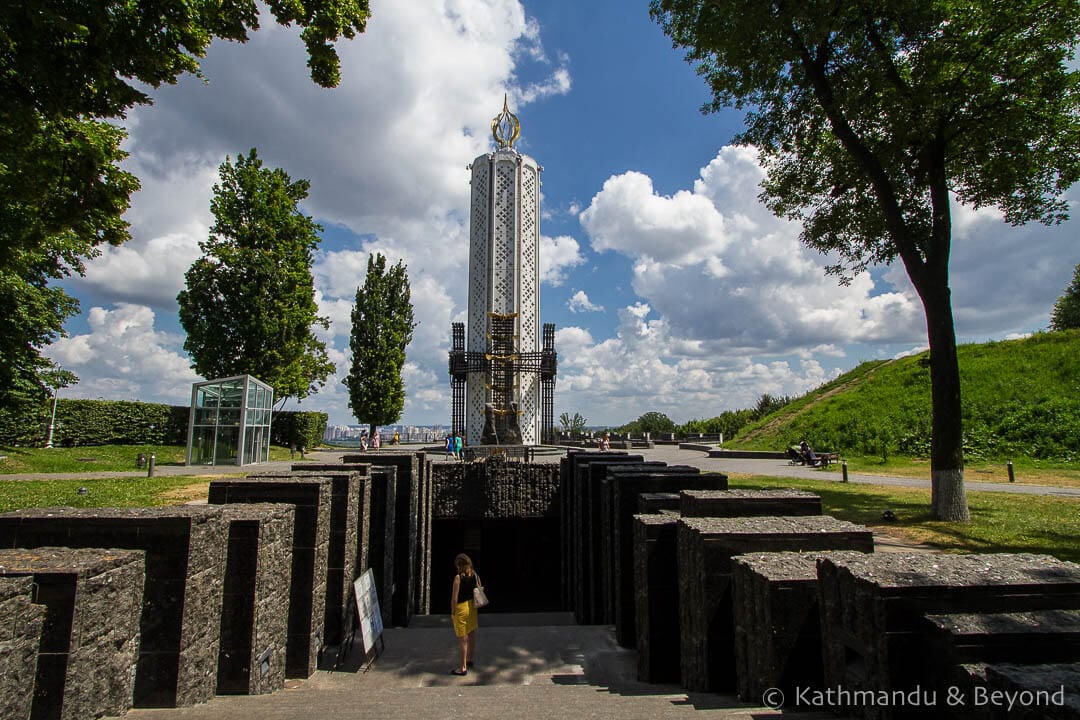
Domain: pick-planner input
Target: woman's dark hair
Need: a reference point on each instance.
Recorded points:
(463, 563)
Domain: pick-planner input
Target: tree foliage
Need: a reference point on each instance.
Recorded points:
(1066, 312)
(768, 404)
(572, 424)
(651, 422)
(727, 423)
(66, 69)
(870, 118)
(382, 328)
(249, 306)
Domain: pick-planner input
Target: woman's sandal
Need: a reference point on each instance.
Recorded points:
(459, 672)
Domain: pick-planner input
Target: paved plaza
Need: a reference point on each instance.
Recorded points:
(527, 666)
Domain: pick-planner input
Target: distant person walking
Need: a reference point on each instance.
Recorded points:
(450, 447)
(463, 611)
(375, 440)
(363, 441)
(459, 447)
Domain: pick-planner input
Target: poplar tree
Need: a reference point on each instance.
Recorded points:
(382, 328)
(249, 306)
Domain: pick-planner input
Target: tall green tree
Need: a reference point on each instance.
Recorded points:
(67, 69)
(249, 306)
(1066, 312)
(872, 117)
(382, 328)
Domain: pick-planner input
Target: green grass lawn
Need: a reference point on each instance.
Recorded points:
(1019, 400)
(1000, 522)
(97, 458)
(109, 492)
(1025, 470)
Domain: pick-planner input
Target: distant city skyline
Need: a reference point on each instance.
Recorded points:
(672, 288)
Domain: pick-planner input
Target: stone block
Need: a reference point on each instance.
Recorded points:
(255, 604)
(92, 601)
(623, 488)
(185, 550)
(310, 551)
(383, 536)
(656, 598)
(1050, 691)
(776, 623)
(494, 488)
(424, 543)
(705, 549)
(571, 532)
(600, 542)
(652, 503)
(363, 524)
(342, 551)
(20, 635)
(873, 610)
(1034, 636)
(409, 467)
(747, 503)
(584, 477)
(362, 468)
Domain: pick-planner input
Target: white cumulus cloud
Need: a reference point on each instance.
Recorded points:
(579, 302)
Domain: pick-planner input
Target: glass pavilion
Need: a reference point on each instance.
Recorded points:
(229, 422)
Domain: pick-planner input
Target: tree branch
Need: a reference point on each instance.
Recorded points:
(879, 179)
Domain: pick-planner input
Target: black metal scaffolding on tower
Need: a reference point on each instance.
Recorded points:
(458, 374)
(502, 366)
(548, 363)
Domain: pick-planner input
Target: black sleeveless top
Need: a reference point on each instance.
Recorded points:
(465, 588)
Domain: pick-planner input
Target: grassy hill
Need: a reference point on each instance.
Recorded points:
(1021, 398)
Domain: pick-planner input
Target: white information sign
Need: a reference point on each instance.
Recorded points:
(367, 609)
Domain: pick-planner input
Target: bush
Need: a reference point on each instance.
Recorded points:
(97, 422)
(120, 422)
(650, 422)
(291, 428)
(727, 423)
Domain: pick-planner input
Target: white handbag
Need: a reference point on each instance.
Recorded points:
(480, 598)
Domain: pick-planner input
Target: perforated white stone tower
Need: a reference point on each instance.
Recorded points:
(503, 378)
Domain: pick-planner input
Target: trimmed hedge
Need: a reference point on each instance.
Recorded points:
(291, 428)
(120, 422)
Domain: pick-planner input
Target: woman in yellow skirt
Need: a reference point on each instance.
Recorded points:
(463, 611)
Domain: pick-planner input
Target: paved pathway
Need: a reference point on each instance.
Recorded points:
(781, 468)
(322, 456)
(523, 670)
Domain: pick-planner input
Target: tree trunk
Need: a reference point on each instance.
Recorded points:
(948, 500)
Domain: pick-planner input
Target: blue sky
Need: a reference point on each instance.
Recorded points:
(672, 289)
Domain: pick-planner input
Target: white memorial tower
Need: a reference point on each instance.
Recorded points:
(503, 375)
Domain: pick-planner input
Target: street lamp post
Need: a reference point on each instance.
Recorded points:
(52, 419)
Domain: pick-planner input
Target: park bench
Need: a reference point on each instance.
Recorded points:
(820, 459)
